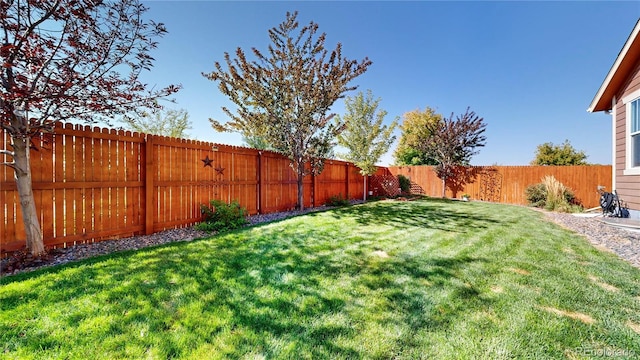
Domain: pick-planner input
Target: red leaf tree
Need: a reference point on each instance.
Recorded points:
(452, 142)
(63, 60)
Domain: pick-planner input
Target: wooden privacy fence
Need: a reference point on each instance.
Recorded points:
(507, 184)
(93, 184)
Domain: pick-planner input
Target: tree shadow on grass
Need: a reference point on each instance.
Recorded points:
(297, 272)
(279, 291)
(438, 214)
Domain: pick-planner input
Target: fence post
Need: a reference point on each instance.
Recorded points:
(149, 173)
(314, 187)
(347, 181)
(260, 184)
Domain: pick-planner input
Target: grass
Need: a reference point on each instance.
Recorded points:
(405, 280)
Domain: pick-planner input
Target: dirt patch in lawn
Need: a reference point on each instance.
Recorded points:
(519, 271)
(381, 254)
(603, 285)
(635, 327)
(570, 314)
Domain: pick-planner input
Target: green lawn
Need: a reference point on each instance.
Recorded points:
(406, 280)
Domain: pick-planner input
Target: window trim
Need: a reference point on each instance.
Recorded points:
(627, 100)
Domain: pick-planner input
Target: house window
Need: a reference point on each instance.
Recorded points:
(634, 133)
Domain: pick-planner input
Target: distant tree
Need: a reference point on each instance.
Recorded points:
(563, 154)
(173, 123)
(286, 95)
(452, 142)
(364, 135)
(68, 59)
(415, 126)
(256, 142)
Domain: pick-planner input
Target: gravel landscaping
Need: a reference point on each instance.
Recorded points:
(625, 243)
(622, 242)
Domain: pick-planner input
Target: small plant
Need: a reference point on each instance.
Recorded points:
(536, 195)
(220, 216)
(552, 195)
(337, 200)
(405, 184)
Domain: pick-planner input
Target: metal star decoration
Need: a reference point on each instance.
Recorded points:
(207, 161)
(219, 170)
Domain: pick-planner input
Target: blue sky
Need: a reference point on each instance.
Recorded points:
(530, 69)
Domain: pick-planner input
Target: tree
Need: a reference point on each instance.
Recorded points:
(364, 135)
(170, 122)
(564, 154)
(286, 95)
(415, 126)
(68, 59)
(256, 142)
(452, 142)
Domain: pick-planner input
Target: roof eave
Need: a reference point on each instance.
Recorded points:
(609, 87)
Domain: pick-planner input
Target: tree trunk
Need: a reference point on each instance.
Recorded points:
(300, 187)
(35, 243)
(364, 186)
(444, 187)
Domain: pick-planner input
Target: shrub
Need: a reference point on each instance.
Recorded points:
(536, 195)
(405, 184)
(220, 216)
(337, 200)
(552, 195)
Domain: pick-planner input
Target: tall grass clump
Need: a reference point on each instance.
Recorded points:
(552, 195)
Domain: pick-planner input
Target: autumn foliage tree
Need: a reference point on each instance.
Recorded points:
(415, 126)
(452, 142)
(285, 94)
(68, 59)
(364, 135)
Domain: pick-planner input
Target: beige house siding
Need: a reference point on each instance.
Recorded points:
(628, 186)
